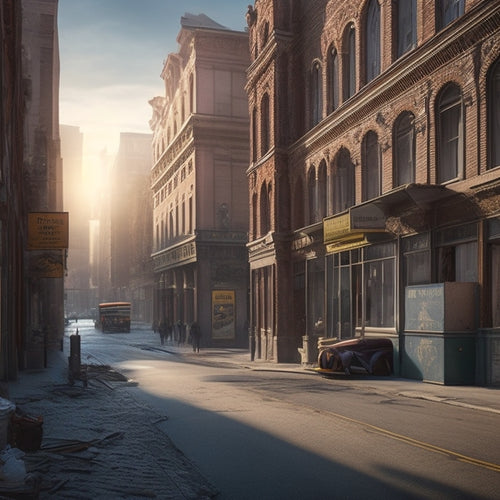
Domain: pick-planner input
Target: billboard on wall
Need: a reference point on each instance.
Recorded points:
(223, 317)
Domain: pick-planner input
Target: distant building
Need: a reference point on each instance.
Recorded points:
(200, 153)
(130, 226)
(374, 180)
(78, 299)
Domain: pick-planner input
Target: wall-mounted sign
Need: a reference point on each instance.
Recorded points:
(358, 220)
(48, 230)
(223, 318)
(46, 265)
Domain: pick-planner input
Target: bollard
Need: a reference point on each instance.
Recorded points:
(74, 358)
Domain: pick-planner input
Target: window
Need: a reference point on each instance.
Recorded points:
(494, 115)
(450, 134)
(254, 216)
(312, 195)
(316, 296)
(457, 254)
(264, 210)
(371, 167)
(372, 37)
(416, 259)
(343, 181)
(264, 125)
(254, 135)
(316, 94)
(322, 190)
(404, 149)
(349, 63)
(406, 31)
(447, 11)
(333, 79)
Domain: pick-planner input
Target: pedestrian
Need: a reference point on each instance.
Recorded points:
(163, 331)
(196, 336)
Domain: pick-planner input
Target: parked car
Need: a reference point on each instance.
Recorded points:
(366, 355)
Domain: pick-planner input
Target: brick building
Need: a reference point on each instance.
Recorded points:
(200, 155)
(375, 181)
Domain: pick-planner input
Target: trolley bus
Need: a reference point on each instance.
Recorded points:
(114, 317)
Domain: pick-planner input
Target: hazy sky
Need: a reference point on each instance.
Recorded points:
(112, 54)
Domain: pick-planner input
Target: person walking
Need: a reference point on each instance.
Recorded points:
(196, 336)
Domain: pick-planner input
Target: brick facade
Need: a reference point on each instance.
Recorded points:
(298, 48)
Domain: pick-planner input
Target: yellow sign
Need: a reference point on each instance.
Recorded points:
(48, 230)
(223, 317)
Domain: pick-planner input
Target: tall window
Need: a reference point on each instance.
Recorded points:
(450, 134)
(494, 115)
(322, 190)
(254, 135)
(264, 125)
(316, 94)
(255, 229)
(349, 63)
(406, 30)
(447, 11)
(264, 210)
(371, 167)
(333, 79)
(343, 181)
(372, 37)
(404, 149)
(311, 185)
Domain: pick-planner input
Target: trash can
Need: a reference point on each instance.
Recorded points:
(6, 409)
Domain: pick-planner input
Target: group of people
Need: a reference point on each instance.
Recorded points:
(178, 333)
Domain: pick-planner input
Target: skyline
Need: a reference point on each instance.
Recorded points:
(111, 56)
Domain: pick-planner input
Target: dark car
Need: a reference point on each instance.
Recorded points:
(367, 355)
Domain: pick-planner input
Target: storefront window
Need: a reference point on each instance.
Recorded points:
(316, 297)
(457, 254)
(417, 259)
(361, 290)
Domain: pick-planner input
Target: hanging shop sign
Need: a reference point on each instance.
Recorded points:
(48, 230)
(223, 317)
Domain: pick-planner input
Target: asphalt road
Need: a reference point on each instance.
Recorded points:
(269, 435)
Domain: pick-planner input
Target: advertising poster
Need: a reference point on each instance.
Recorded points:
(223, 320)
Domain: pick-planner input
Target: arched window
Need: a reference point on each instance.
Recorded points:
(372, 37)
(447, 11)
(371, 167)
(254, 135)
(333, 79)
(264, 210)
(494, 115)
(316, 93)
(264, 125)
(298, 205)
(343, 181)
(322, 190)
(311, 187)
(450, 155)
(406, 30)
(404, 150)
(349, 63)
